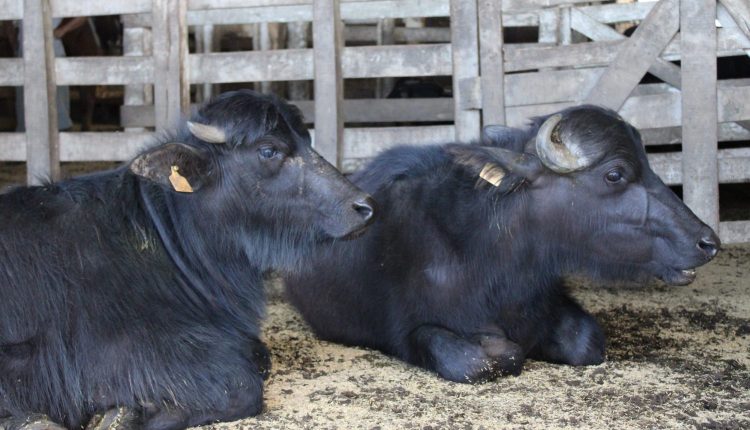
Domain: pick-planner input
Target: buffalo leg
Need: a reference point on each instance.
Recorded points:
(458, 359)
(574, 337)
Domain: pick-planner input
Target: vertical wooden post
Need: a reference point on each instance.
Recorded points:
(298, 38)
(133, 44)
(385, 36)
(171, 84)
(264, 37)
(208, 45)
(329, 84)
(465, 52)
(40, 93)
(700, 176)
(491, 61)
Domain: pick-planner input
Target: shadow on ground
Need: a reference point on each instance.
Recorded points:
(677, 357)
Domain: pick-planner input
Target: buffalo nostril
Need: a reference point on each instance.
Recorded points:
(709, 246)
(365, 208)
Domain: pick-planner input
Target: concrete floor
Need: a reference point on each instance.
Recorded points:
(678, 357)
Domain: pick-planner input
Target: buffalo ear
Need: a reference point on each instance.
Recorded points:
(173, 165)
(498, 135)
(493, 164)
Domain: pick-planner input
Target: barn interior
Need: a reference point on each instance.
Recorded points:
(677, 356)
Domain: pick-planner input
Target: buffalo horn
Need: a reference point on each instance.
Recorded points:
(207, 133)
(558, 155)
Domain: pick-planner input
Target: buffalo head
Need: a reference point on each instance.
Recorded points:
(246, 162)
(591, 196)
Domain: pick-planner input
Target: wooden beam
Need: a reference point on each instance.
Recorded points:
(12, 147)
(740, 11)
(12, 75)
(465, 54)
(364, 142)
(11, 10)
(71, 8)
(637, 55)
(104, 70)
(170, 62)
(101, 146)
(40, 93)
(734, 166)
(491, 61)
(597, 31)
(329, 84)
(397, 60)
(699, 109)
(734, 232)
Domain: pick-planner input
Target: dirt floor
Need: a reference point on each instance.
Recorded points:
(678, 357)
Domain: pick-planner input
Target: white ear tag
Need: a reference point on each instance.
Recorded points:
(179, 183)
(493, 174)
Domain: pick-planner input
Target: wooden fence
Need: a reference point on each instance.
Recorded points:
(579, 57)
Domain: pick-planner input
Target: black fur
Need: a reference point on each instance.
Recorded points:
(119, 291)
(465, 278)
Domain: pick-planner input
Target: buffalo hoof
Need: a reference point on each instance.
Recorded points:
(31, 422)
(116, 419)
(507, 356)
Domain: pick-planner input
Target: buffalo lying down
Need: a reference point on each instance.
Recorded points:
(465, 278)
(141, 287)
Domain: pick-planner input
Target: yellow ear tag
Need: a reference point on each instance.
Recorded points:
(492, 174)
(179, 183)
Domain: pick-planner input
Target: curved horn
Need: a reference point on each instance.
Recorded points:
(206, 133)
(558, 155)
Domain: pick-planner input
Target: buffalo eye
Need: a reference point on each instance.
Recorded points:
(613, 176)
(267, 152)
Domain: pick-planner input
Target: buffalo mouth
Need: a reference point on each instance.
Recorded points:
(678, 277)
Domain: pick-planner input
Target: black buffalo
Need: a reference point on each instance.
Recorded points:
(466, 278)
(141, 287)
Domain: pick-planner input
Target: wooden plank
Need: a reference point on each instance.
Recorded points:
(100, 146)
(355, 111)
(700, 110)
(734, 232)
(618, 12)
(250, 15)
(549, 26)
(12, 75)
(252, 66)
(728, 132)
(134, 44)
(71, 8)
(160, 43)
(637, 55)
(733, 166)
(12, 147)
(11, 10)
(367, 142)
(465, 55)
(329, 83)
(396, 60)
(491, 61)
(597, 31)
(740, 11)
(40, 91)
(104, 70)
(178, 87)
(549, 86)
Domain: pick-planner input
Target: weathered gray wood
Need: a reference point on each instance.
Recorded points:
(100, 146)
(491, 61)
(549, 25)
(549, 86)
(329, 91)
(40, 92)
(12, 72)
(170, 62)
(252, 66)
(366, 33)
(12, 147)
(385, 36)
(11, 10)
(637, 55)
(354, 111)
(69, 8)
(367, 142)
(298, 39)
(734, 232)
(104, 70)
(597, 31)
(396, 60)
(465, 54)
(700, 110)
(618, 12)
(733, 166)
(740, 11)
(728, 132)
